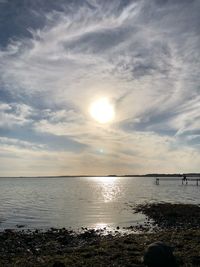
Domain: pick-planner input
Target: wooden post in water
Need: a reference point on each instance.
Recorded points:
(157, 181)
(184, 180)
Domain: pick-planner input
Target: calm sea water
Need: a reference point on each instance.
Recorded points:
(84, 201)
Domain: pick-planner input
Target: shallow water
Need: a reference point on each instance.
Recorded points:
(84, 201)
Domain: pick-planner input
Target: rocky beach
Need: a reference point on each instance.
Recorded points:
(175, 224)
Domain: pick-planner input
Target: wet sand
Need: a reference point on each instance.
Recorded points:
(172, 224)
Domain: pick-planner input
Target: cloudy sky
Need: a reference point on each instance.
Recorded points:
(59, 57)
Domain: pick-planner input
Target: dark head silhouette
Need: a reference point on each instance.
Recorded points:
(158, 254)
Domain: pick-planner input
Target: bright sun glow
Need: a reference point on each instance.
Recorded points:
(102, 110)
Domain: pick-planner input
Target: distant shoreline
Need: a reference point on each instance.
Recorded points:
(109, 175)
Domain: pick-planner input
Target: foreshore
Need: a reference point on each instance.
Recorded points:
(172, 224)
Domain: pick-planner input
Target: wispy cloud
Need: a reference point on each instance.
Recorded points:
(143, 55)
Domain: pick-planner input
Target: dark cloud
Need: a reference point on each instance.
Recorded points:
(173, 2)
(19, 16)
(157, 123)
(5, 96)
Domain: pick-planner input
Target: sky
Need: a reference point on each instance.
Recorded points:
(59, 57)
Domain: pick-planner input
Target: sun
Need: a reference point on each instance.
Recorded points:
(102, 110)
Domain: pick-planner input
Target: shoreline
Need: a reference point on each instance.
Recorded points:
(92, 247)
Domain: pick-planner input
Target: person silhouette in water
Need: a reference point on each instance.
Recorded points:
(184, 179)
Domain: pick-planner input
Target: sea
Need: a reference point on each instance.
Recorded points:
(92, 202)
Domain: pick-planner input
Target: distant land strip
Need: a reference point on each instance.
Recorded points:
(110, 175)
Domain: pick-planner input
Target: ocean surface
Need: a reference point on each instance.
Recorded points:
(84, 201)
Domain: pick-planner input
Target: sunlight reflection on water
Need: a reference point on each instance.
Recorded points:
(109, 187)
(100, 225)
(83, 201)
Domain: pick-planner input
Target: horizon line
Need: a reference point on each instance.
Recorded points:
(108, 175)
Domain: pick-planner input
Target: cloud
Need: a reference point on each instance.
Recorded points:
(14, 114)
(142, 55)
(12, 142)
